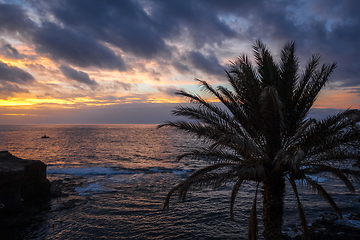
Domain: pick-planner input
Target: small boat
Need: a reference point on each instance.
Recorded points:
(44, 136)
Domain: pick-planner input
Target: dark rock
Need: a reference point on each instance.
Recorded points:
(334, 232)
(328, 218)
(23, 183)
(354, 217)
(69, 203)
(329, 227)
(65, 187)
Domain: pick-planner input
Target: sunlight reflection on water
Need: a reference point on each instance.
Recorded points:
(124, 173)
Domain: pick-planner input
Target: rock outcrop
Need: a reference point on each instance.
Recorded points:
(23, 183)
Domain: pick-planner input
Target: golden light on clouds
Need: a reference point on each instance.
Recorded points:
(162, 100)
(19, 114)
(13, 102)
(18, 102)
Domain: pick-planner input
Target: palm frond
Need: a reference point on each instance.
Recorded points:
(335, 171)
(289, 160)
(312, 89)
(240, 115)
(222, 120)
(210, 114)
(321, 191)
(291, 139)
(267, 68)
(305, 235)
(215, 156)
(288, 71)
(271, 116)
(330, 132)
(235, 107)
(195, 127)
(234, 192)
(252, 171)
(253, 223)
(215, 179)
(353, 173)
(337, 155)
(219, 136)
(297, 103)
(222, 115)
(244, 80)
(184, 186)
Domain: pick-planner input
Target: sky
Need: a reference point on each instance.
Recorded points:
(99, 61)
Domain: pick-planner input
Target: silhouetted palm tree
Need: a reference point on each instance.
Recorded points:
(262, 134)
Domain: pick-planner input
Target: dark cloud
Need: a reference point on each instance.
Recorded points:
(123, 24)
(7, 89)
(14, 74)
(169, 90)
(14, 19)
(347, 82)
(36, 66)
(155, 74)
(196, 18)
(207, 64)
(75, 48)
(76, 75)
(11, 52)
(180, 67)
(82, 32)
(60, 43)
(355, 90)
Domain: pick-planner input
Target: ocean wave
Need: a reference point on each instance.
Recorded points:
(347, 221)
(319, 179)
(92, 188)
(98, 170)
(83, 171)
(169, 170)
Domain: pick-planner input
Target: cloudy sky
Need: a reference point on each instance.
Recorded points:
(65, 61)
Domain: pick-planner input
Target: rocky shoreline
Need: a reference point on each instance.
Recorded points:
(328, 226)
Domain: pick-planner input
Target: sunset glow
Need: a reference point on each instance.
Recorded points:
(59, 55)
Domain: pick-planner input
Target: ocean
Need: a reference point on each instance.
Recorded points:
(121, 174)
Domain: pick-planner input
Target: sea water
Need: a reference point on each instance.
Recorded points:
(122, 174)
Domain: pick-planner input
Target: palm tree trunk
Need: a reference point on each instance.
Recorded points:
(273, 203)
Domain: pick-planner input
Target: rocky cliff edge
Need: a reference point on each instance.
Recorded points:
(23, 183)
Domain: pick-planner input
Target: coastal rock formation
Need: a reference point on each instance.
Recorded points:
(23, 183)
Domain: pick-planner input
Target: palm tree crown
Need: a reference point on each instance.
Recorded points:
(262, 134)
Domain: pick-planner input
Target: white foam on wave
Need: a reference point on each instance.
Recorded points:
(134, 178)
(349, 222)
(86, 171)
(155, 169)
(318, 178)
(180, 172)
(91, 188)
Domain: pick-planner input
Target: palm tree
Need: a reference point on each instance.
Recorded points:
(262, 134)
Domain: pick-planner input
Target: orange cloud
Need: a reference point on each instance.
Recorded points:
(340, 99)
